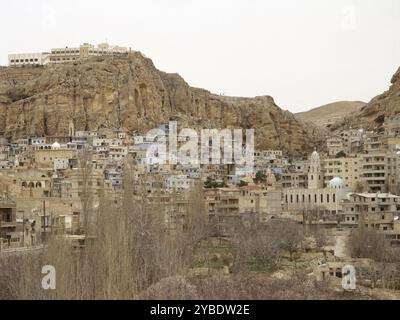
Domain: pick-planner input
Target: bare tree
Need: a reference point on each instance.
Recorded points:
(258, 248)
(292, 236)
(85, 189)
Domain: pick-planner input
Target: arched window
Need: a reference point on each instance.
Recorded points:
(24, 184)
(38, 184)
(31, 185)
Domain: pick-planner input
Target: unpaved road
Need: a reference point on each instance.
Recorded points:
(341, 251)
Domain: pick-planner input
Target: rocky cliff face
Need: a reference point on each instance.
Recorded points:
(108, 93)
(380, 109)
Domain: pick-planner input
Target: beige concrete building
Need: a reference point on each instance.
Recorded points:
(348, 141)
(45, 158)
(296, 175)
(335, 145)
(374, 171)
(8, 217)
(346, 168)
(378, 211)
(28, 59)
(63, 55)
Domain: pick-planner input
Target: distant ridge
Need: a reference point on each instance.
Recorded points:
(329, 114)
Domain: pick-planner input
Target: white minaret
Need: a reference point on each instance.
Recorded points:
(315, 174)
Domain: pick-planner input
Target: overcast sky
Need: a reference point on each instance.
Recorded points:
(304, 53)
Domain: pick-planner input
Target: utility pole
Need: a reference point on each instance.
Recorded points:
(44, 221)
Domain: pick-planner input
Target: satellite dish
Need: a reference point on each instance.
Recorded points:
(396, 218)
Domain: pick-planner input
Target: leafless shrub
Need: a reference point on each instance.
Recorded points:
(259, 248)
(368, 243)
(251, 286)
(292, 235)
(172, 288)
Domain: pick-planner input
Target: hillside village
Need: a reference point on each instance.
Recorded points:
(355, 182)
(53, 186)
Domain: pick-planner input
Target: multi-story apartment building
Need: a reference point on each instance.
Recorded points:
(378, 211)
(296, 175)
(7, 217)
(346, 168)
(373, 142)
(335, 145)
(348, 141)
(228, 206)
(393, 160)
(374, 171)
(268, 158)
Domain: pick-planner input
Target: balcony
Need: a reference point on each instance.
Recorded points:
(8, 224)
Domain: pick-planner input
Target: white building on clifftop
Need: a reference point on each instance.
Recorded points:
(64, 55)
(22, 59)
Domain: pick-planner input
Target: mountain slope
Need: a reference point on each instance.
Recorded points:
(105, 93)
(328, 114)
(380, 109)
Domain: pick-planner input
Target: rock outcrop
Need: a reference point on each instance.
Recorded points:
(105, 93)
(379, 110)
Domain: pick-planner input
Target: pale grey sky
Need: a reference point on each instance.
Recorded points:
(304, 53)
